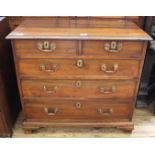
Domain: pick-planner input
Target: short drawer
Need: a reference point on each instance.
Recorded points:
(67, 110)
(44, 48)
(78, 68)
(79, 88)
(59, 48)
(113, 49)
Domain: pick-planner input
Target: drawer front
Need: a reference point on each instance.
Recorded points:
(50, 110)
(70, 48)
(79, 88)
(44, 48)
(113, 49)
(68, 69)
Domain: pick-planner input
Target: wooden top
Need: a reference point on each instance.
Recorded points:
(110, 31)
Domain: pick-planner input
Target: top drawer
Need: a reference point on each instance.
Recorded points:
(72, 48)
(113, 49)
(44, 48)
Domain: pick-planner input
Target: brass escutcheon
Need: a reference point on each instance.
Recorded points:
(78, 84)
(78, 105)
(46, 45)
(79, 63)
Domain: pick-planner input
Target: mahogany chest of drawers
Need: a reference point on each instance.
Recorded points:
(78, 76)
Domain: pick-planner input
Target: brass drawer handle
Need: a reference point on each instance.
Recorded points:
(78, 105)
(113, 46)
(104, 68)
(51, 112)
(79, 63)
(102, 90)
(54, 67)
(46, 46)
(105, 112)
(45, 89)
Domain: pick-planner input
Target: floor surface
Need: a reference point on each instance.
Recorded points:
(143, 119)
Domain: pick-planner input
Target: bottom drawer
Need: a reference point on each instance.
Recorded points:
(67, 110)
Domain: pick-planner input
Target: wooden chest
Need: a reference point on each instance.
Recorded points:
(78, 76)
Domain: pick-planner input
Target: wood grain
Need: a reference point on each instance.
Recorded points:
(143, 119)
(69, 48)
(78, 88)
(67, 69)
(67, 110)
(34, 32)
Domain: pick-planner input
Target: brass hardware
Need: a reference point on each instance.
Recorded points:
(53, 68)
(104, 68)
(78, 84)
(55, 89)
(78, 105)
(51, 112)
(102, 90)
(46, 46)
(113, 46)
(105, 112)
(79, 63)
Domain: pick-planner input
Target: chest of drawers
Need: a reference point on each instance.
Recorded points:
(78, 77)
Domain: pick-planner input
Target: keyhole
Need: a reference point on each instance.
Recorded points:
(78, 84)
(113, 45)
(46, 44)
(78, 105)
(79, 63)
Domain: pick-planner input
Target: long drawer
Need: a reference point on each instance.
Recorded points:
(79, 88)
(72, 48)
(78, 68)
(67, 110)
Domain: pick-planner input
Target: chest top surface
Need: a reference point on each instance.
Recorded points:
(110, 31)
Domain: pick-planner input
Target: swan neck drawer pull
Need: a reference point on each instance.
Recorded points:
(113, 46)
(45, 89)
(51, 112)
(46, 46)
(105, 112)
(54, 67)
(102, 90)
(104, 68)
